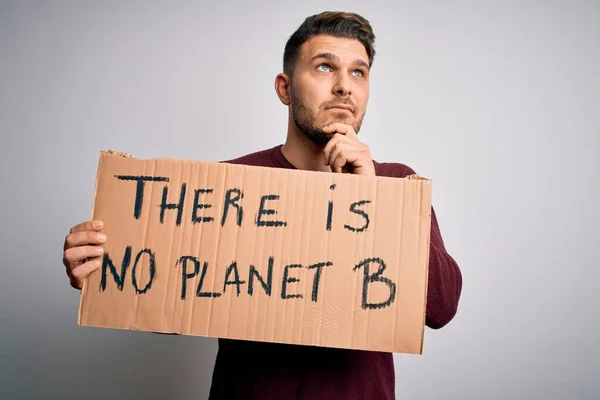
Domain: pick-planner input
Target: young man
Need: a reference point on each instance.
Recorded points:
(325, 84)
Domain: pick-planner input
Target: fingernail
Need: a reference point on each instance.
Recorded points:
(98, 263)
(99, 250)
(98, 224)
(101, 237)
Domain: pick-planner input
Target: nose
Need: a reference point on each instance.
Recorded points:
(342, 85)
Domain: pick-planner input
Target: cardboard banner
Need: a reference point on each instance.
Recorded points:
(263, 254)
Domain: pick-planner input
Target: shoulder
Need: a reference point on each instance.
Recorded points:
(393, 169)
(262, 158)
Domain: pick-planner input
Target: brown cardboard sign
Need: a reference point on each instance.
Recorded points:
(262, 254)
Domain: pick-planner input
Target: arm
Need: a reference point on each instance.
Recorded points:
(444, 283)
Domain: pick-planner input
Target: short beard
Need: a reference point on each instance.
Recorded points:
(307, 121)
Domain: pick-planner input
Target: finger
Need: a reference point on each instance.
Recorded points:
(84, 238)
(78, 274)
(343, 129)
(337, 158)
(76, 254)
(337, 127)
(351, 159)
(328, 148)
(337, 150)
(352, 135)
(343, 142)
(338, 163)
(87, 226)
(333, 142)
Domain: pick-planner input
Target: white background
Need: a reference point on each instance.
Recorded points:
(496, 101)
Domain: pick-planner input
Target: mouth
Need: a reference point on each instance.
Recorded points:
(341, 107)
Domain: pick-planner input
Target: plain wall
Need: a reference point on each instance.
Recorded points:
(496, 101)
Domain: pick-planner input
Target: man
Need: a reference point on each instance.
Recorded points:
(325, 84)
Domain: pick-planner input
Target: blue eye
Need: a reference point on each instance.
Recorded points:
(324, 66)
(360, 73)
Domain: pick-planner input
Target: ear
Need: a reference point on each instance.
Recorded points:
(282, 88)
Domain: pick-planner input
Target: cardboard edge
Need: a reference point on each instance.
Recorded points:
(417, 177)
(84, 288)
(115, 153)
(427, 257)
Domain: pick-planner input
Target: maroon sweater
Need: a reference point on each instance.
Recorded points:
(256, 370)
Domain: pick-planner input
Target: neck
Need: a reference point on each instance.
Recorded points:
(301, 152)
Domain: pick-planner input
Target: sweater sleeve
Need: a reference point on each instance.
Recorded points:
(444, 283)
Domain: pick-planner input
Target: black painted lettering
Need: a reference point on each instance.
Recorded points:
(107, 264)
(151, 267)
(329, 215)
(172, 206)
(369, 278)
(139, 191)
(353, 208)
(262, 211)
(330, 210)
(199, 291)
(195, 217)
(184, 272)
(254, 273)
(233, 201)
(233, 269)
(287, 280)
(317, 277)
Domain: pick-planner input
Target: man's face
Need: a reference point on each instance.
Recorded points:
(330, 84)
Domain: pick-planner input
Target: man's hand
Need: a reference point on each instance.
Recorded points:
(345, 153)
(82, 252)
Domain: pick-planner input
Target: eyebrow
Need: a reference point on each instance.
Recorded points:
(333, 57)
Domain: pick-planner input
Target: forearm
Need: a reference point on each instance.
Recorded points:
(444, 282)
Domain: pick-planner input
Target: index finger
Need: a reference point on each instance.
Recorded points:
(87, 226)
(336, 127)
(341, 128)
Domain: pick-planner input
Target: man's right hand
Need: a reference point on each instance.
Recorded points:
(82, 251)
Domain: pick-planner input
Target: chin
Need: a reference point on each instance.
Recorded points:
(318, 137)
(342, 117)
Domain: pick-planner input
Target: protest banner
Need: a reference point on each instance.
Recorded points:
(263, 254)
